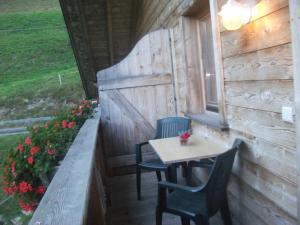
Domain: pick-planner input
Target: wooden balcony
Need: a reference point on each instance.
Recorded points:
(81, 193)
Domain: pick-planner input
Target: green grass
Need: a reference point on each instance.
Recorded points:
(10, 209)
(35, 48)
(8, 6)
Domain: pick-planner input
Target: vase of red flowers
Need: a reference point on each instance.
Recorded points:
(184, 137)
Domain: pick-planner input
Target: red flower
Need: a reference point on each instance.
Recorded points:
(30, 160)
(5, 190)
(34, 150)
(24, 187)
(27, 207)
(40, 189)
(51, 151)
(13, 169)
(28, 141)
(20, 148)
(10, 190)
(46, 126)
(185, 135)
(79, 113)
(64, 124)
(71, 124)
(55, 114)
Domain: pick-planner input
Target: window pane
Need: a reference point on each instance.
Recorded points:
(208, 62)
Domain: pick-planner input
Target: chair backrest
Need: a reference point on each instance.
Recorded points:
(171, 126)
(218, 179)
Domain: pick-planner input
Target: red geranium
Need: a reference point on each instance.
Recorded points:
(10, 190)
(40, 189)
(79, 113)
(39, 152)
(51, 152)
(71, 124)
(27, 207)
(20, 148)
(34, 150)
(30, 160)
(24, 187)
(28, 141)
(64, 124)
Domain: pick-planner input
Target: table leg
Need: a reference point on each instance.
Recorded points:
(172, 171)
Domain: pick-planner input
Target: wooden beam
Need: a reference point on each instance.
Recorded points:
(132, 113)
(294, 6)
(76, 25)
(135, 81)
(109, 32)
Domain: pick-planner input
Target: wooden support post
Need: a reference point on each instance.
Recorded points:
(109, 32)
(294, 6)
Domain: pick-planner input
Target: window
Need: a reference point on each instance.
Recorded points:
(208, 64)
(203, 65)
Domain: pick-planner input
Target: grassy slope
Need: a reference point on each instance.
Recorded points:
(35, 48)
(8, 6)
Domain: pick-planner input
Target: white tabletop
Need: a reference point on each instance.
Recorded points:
(171, 151)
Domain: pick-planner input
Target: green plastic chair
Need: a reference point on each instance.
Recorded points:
(202, 202)
(166, 127)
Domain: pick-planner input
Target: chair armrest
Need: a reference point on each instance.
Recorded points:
(206, 163)
(172, 186)
(138, 148)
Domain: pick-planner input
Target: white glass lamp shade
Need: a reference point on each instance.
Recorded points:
(234, 15)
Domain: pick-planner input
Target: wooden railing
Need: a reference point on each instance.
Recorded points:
(76, 194)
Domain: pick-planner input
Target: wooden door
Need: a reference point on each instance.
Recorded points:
(133, 95)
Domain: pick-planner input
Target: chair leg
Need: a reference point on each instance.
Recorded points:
(172, 172)
(158, 175)
(158, 216)
(225, 213)
(167, 175)
(202, 221)
(189, 172)
(138, 182)
(184, 221)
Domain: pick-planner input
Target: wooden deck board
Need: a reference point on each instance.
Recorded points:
(125, 209)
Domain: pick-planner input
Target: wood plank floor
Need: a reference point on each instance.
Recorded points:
(125, 209)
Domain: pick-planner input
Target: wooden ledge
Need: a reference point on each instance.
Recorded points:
(210, 119)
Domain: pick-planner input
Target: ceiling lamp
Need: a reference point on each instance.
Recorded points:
(235, 14)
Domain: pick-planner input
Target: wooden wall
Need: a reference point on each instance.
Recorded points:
(134, 94)
(258, 80)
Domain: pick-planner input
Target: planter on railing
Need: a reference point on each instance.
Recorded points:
(75, 195)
